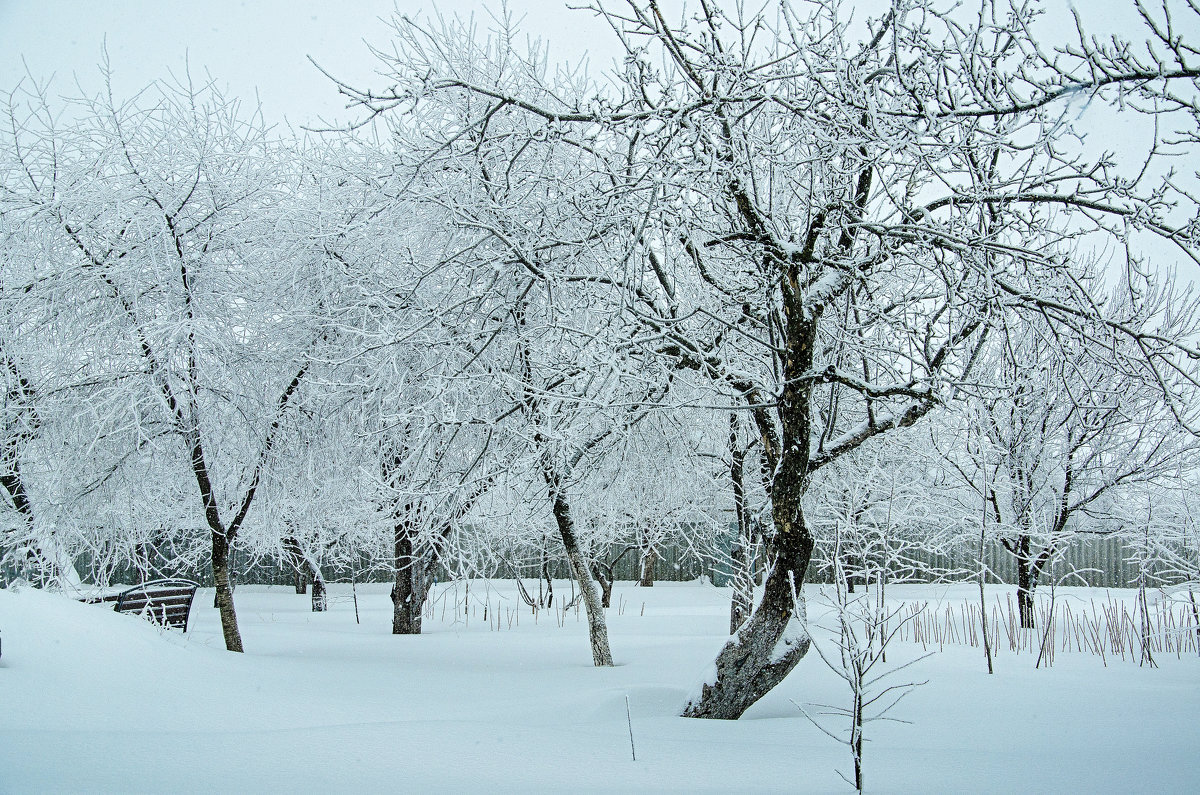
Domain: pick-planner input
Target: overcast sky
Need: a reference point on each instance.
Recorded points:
(263, 45)
(246, 45)
(260, 48)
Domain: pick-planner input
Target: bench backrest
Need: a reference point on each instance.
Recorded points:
(168, 602)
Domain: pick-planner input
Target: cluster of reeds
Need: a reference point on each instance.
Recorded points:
(1111, 629)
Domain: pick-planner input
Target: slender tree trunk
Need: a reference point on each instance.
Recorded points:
(141, 561)
(741, 555)
(649, 557)
(983, 622)
(597, 628)
(549, 598)
(1195, 617)
(224, 594)
(856, 740)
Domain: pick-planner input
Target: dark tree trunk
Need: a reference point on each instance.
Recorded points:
(408, 591)
(605, 581)
(300, 582)
(232, 576)
(549, 597)
(39, 567)
(224, 592)
(767, 647)
(320, 599)
(1026, 583)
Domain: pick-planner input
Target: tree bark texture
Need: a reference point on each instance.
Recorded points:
(765, 648)
(1025, 587)
(775, 638)
(408, 589)
(320, 597)
(224, 595)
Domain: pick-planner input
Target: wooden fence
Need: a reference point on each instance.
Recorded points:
(1100, 561)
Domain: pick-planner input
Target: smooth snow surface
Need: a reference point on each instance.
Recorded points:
(92, 701)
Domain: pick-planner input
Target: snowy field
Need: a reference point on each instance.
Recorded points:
(92, 701)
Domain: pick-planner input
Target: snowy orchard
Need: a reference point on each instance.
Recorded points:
(778, 289)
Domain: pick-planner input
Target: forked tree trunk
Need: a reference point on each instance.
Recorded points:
(767, 647)
(597, 628)
(606, 585)
(307, 569)
(775, 638)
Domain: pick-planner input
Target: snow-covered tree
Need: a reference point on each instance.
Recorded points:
(824, 228)
(170, 210)
(1065, 423)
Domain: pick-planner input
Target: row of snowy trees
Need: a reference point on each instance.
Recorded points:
(774, 271)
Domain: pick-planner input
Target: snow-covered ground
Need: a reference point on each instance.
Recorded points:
(99, 702)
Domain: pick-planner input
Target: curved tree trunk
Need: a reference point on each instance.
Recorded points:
(597, 628)
(765, 648)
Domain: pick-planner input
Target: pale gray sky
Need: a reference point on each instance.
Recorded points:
(261, 47)
(246, 45)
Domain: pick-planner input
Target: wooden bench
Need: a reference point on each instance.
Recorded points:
(165, 602)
